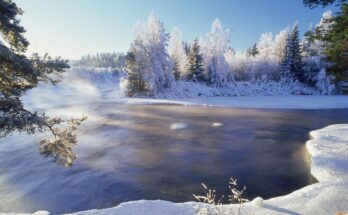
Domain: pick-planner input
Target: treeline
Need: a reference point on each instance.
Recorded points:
(106, 60)
(157, 59)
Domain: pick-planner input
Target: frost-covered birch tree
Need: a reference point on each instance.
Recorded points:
(265, 45)
(217, 44)
(280, 41)
(178, 54)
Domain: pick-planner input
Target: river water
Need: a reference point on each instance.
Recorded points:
(132, 152)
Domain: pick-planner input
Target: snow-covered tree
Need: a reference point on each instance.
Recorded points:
(265, 45)
(266, 65)
(195, 63)
(312, 45)
(108, 60)
(285, 66)
(314, 57)
(324, 82)
(139, 77)
(216, 46)
(253, 51)
(296, 54)
(291, 67)
(178, 53)
(176, 70)
(241, 64)
(151, 59)
(280, 41)
(187, 47)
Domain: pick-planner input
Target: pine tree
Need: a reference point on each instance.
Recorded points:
(176, 69)
(291, 66)
(178, 53)
(134, 75)
(323, 3)
(195, 64)
(309, 38)
(253, 51)
(212, 75)
(336, 44)
(18, 74)
(187, 47)
(286, 62)
(296, 54)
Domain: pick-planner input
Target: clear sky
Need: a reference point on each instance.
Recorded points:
(71, 28)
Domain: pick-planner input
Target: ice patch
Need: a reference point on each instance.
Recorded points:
(178, 126)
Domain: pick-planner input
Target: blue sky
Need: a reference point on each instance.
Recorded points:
(71, 28)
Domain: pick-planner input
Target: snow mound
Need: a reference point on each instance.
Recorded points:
(329, 150)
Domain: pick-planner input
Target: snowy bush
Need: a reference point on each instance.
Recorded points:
(250, 68)
(324, 83)
(185, 89)
(210, 197)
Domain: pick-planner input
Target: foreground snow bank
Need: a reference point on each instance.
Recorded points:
(329, 150)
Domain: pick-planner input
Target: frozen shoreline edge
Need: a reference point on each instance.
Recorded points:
(258, 102)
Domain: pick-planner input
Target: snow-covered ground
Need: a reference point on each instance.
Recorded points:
(283, 102)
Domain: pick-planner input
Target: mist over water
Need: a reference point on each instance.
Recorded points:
(131, 152)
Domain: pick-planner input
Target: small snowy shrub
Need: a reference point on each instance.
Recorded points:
(211, 198)
(185, 89)
(324, 83)
(124, 89)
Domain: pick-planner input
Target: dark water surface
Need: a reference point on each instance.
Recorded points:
(132, 152)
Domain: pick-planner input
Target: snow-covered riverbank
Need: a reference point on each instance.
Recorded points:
(283, 102)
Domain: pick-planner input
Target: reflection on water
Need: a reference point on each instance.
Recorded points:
(163, 152)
